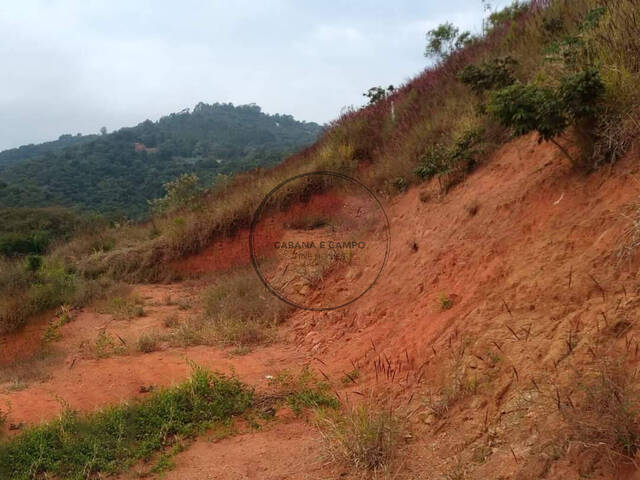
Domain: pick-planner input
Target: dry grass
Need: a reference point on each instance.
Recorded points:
(123, 306)
(148, 342)
(104, 345)
(240, 311)
(365, 436)
(36, 368)
(606, 415)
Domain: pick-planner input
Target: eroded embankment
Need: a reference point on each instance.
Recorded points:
(501, 292)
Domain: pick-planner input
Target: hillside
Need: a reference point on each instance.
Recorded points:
(117, 173)
(497, 194)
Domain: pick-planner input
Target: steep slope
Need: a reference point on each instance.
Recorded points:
(539, 301)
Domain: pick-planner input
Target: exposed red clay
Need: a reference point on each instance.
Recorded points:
(534, 260)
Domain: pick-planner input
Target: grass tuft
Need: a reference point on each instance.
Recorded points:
(364, 436)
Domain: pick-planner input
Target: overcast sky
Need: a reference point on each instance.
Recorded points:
(74, 66)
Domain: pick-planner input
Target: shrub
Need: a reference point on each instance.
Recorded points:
(461, 157)
(183, 192)
(495, 74)
(528, 107)
(434, 160)
(580, 94)
(104, 346)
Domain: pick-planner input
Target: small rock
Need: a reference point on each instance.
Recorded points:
(145, 389)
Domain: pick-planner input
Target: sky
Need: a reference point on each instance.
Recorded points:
(74, 66)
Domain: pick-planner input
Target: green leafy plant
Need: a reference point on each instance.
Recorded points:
(495, 74)
(461, 156)
(375, 94)
(445, 302)
(528, 107)
(445, 39)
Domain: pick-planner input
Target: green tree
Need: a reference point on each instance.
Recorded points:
(375, 94)
(182, 192)
(445, 39)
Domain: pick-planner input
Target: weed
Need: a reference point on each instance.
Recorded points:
(104, 346)
(606, 416)
(171, 321)
(350, 377)
(305, 391)
(363, 436)
(445, 302)
(148, 342)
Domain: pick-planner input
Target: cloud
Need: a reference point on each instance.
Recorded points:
(75, 65)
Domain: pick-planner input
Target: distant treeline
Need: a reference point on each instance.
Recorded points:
(117, 173)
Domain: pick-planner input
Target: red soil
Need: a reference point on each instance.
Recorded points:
(234, 252)
(535, 264)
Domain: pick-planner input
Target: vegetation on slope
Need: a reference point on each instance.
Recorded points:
(433, 126)
(118, 173)
(33, 230)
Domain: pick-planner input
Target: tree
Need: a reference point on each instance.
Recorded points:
(103, 130)
(445, 39)
(375, 94)
(181, 192)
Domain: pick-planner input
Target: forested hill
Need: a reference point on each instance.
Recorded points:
(117, 173)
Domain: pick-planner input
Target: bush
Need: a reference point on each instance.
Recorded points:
(461, 156)
(580, 93)
(495, 74)
(526, 108)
